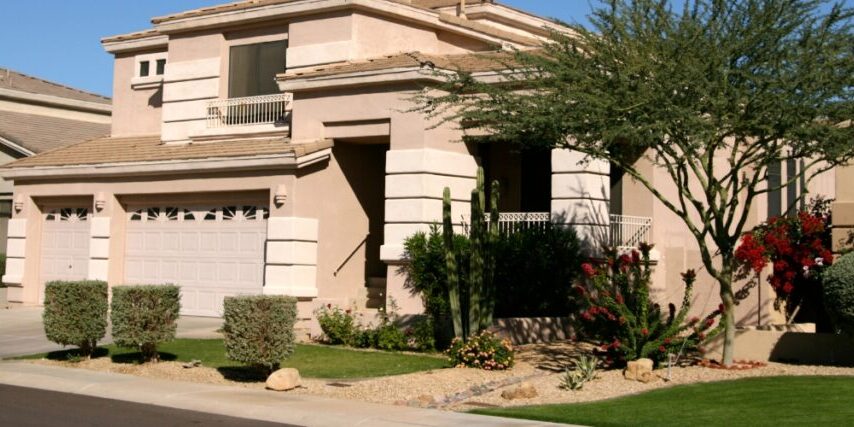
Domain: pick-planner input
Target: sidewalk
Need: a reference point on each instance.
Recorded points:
(237, 401)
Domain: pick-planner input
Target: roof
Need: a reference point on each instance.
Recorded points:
(131, 36)
(149, 148)
(39, 133)
(469, 62)
(13, 80)
(248, 4)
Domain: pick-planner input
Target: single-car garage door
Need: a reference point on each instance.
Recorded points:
(65, 245)
(210, 252)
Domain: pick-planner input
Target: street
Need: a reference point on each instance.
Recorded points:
(24, 407)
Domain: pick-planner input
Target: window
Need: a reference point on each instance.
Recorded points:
(161, 67)
(791, 187)
(252, 68)
(144, 68)
(775, 196)
(785, 197)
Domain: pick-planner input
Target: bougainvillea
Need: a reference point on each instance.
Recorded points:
(628, 325)
(798, 248)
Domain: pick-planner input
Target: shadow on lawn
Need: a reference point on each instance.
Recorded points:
(73, 353)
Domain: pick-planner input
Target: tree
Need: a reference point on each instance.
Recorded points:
(712, 94)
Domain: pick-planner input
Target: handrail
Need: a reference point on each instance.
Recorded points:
(349, 257)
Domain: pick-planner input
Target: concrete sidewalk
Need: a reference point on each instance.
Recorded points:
(237, 401)
(22, 332)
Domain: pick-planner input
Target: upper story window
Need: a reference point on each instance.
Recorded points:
(149, 70)
(252, 68)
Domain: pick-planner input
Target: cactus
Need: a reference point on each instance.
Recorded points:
(451, 264)
(471, 308)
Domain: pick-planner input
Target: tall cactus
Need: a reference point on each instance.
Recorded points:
(471, 308)
(451, 265)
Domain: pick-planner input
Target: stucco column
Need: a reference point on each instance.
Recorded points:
(99, 241)
(16, 248)
(291, 263)
(415, 181)
(581, 192)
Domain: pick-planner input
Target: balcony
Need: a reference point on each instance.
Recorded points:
(264, 112)
(513, 222)
(630, 231)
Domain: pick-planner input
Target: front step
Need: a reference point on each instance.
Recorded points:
(376, 292)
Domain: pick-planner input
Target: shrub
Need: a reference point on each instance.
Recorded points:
(584, 371)
(144, 316)
(799, 249)
(259, 329)
(390, 338)
(75, 313)
(482, 351)
(339, 326)
(839, 294)
(628, 325)
(421, 335)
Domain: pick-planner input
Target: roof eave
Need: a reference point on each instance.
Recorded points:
(74, 104)
(188, 166)
(117, 45)
(377, 77)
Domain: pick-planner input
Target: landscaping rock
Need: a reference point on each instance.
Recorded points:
(636, 369)
(524, 391)
(648, 377)
(284, 379)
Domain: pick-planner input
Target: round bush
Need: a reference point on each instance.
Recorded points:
(144, 316)
(259, 329)
(839, 293)
(484, 351)
(75, 313)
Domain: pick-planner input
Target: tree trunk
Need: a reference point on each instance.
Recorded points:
(728, 303)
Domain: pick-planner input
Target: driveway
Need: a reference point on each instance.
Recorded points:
(21, 331)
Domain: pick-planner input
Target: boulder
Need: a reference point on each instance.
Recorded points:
(636, 369)
(284, 379)
(524, 391)
(648, 377)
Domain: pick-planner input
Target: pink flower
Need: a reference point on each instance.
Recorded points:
(662, 349)
(644, 331)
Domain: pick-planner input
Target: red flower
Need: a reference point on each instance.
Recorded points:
(710, 322)
(644, 331)
(662, 349)
(328, 305)
(635, 257)
(619, 299)
(588, 269)
(788, 288)
(667, 341)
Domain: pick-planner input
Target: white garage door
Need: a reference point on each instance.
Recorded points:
(65, 245)
(211, 252)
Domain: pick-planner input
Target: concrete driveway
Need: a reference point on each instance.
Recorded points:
(21, 331)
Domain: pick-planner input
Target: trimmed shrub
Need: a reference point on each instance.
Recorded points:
(259, 330)
(483, 351)
(839, 294)
(144, 316)
(75, 313)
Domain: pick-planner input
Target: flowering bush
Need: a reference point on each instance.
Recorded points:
(798, 248)
(627, 324)
(339, 326)
(484, 351)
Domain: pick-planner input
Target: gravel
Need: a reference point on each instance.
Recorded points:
(463, 389)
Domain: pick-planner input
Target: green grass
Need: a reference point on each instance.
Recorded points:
(312, 361)
(768, 401)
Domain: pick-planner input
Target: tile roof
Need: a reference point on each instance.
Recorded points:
(13, 80)
(248, 4)
(144, 149)
(489, 30)
(131, 36)
(470, 62)
(39, 133)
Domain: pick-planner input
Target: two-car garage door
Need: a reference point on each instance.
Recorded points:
(210, 251)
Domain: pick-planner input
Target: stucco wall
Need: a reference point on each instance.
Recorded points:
(135, 111)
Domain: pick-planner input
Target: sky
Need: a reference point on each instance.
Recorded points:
(59, 40)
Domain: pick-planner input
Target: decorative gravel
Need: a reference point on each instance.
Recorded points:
(464, 389)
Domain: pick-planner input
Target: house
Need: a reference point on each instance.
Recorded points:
(269, 147)
(36, 116)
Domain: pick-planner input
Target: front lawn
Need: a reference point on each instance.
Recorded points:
(745, 402)
(312, 361)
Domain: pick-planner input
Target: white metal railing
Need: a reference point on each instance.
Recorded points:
(630, 231)
(250, 110)
(512, 222)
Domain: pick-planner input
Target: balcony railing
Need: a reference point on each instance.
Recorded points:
(512, 222)
(250, 110)
(630, 231)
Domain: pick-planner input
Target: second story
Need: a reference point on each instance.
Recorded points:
(210, 73)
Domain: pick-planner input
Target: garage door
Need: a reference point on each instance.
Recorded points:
(65, 245)
(211, 252)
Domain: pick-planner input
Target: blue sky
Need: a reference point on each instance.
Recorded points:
(58, 40)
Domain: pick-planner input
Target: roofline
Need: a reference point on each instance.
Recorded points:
(52, 100)
(378, 77)
(15, 146)
(287, 160)
(117, 44)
